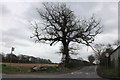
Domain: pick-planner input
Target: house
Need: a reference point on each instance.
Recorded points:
(115, 58)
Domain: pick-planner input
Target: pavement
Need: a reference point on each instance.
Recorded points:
(88, 72)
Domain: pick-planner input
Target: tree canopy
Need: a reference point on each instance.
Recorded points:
(62, 25)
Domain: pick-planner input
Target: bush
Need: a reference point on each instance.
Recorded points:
(51, 69)
(4, 65)
(74, 63)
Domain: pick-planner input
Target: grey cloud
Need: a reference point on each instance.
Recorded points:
(82, 8)
(21, 44)
(7, 42)
(14, 33)
(79, 8)
(4, 10)
(106, 12)
(108, 16)
(10, 36)
(32, 13)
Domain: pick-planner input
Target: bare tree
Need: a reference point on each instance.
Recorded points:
(72, 49)
(61, 25)
(98, 50)
(117, 43)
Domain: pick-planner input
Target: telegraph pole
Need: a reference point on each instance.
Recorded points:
(107, 55)
(12, 49)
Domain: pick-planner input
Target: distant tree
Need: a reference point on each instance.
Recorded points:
(61, 25)
(109, 48)
(2, 57)
(74, 63)
(91, 59)
(11, 58)
(98, 50)
(80, 58)
(23, 58)
(117, 43)
(48, 61)
(105, 60)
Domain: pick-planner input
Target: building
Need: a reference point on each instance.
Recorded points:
(115, 58)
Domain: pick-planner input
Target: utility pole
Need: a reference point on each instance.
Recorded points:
(107, 56)
(12, 49)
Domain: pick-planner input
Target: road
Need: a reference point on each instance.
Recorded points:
(86, 72)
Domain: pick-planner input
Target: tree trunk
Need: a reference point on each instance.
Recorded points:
(66, 53)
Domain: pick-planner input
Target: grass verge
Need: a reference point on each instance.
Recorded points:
(50, 70)
(0, 68)
(11, 69)
(107, 72)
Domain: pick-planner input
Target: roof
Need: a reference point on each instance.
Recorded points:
(115, 50)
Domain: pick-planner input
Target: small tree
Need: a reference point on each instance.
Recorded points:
(117, 43)
(91, 59)
(61, 25)
(105, 59)
(98, 49)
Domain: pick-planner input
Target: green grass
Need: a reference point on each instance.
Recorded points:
(107, 72)
(11, 69)
(0, 68)
(50, 70)
(54, 70)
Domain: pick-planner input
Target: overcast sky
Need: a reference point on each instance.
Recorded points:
(16, 29)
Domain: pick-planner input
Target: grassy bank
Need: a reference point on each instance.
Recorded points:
(0, 68)
(11, 69)
(107, 72)
(50, 70)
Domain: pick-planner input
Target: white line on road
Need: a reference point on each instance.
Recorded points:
(86, 73)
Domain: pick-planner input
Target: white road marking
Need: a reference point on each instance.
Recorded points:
(80, 72)
(72, 73)
(86, 73)
(76, 72)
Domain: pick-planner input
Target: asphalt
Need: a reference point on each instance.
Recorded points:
(88, 72)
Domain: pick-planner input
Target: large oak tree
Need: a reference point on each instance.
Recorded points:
(62, 25)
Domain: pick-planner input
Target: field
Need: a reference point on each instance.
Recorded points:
(28, 65)
(23, 66)
(26, 68)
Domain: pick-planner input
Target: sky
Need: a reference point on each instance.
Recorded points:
(15, 29)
